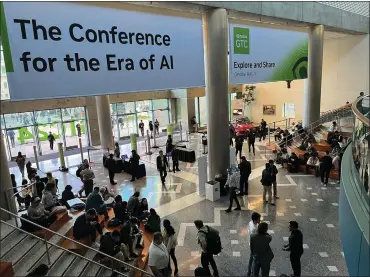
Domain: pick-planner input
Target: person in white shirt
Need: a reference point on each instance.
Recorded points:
(336, 162)
(252, 229)
(313, 162)
(158, 256)
(170, 240)
(334, 127)
(233, 181)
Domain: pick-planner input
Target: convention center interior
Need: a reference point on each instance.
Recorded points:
(158, 139)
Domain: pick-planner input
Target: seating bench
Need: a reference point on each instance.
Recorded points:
(322, 146)
(62, 219)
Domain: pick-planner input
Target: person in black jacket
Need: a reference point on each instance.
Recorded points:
(51, 140)
(273, 171)
(251, 140)
(86, 225)
(295, 247)
(151, 128)
(141, 127)
(134, 161)
(162, 164)
(245, 170)
(40, 186)
(111, 165)
(239, 145)
(126, 236)
(120, 209)
(175, 159)
(266, 181)
(263, 129)
(110, 245)
(325, 167)
(169, 144)
(67, 195)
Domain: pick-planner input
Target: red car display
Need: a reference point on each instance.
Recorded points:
(241, 125)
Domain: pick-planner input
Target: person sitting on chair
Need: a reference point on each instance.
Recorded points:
(154, 222)
(37, 213)
(67, 195)
(95, 201)
(120, 209)
(86, 226)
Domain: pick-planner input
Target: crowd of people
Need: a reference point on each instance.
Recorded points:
(153, 128)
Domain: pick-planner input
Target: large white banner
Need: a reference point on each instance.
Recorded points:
(259, 54)
(55, 49)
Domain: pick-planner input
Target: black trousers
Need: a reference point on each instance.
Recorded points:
(295, 261)
(174, 259)
(163, 174)
(232, 198)
(244, 184)
(324, 172)
(257, 267)
(142, 131)
(133, 172)
(206, 259)
(175, 165)
(249, 147)
(231, 142)
(239, 150)
(51, 144)
(88, 232)
(111, 176)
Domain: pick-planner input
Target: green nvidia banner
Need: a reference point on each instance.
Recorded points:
(259, 55)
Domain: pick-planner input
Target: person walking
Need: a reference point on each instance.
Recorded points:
(134, 161)
(21, 162)
(233, 180)
(206, 257)
(51, 140)
(88, 177)
(325, 167)
(252, 229)
(274, 171)
(263, 129)
(295, 247)
(78, 127)
(245, 169)
(162, 165)
(266, 181)
(151, 128)
(158, 257)
(261, 251)
(111, 165)
(156, 125)
(117, 151)
(252, 140)
(170, 241)
(141, 127)
(239, 145)
(11, 135)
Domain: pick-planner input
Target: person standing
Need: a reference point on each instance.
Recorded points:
(295, 247)
(111, 165)
(263, 129)
(162, 164)
(261, 251)
(88, 177)
(78, 127)
(194, 124)
(252, 229)
(158, 257)
(133, 205)
(156, 125)
(117, 151)
(175, 159)
(239, 145)
(141, 127)
(267, 184)
(245, 169)
(232, 133)
(233, 180)
(21, 162)
(151, 128)
(325, 167)
(206, 257)
(51, 140)
(274, 171)
(252, 140)
(170, 240)
(134, 161)
(11, 135)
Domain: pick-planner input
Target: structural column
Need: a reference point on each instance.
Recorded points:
(312, 88)
(5, 184)
(216, 49)
(105, 122)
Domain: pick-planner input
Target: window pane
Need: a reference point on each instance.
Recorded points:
(113, 109)
(47, 116)
(203, 111)
(162, 117)
(143, 105)
(125, 108)
(4, 80)
(160, 104)
(18, 119)
(127, 125)
(77, 113)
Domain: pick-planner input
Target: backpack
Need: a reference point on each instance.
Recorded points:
(213, 239)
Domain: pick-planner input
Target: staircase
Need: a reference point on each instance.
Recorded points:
(26, 251)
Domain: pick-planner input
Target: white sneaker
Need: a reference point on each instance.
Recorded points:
(95, 245)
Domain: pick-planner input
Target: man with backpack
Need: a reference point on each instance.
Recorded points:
(210, 242)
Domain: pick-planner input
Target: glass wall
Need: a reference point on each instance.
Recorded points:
(24, 130)
(127, 116)
(4, 81)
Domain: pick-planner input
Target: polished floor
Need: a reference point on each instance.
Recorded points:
(302, 198)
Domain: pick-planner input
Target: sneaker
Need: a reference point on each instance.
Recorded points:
(238, 209)
(95, 245)
(277, 197)
(272, 204)
(228, 211)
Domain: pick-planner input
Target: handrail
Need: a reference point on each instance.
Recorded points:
(74, 241)
(358, 114)
(64, 249)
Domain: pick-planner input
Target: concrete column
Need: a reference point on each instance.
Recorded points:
(105, 122)
(173, 110)
(215, 24)
(190, 103)
(5, 184)
(312, 88)
(92, 119)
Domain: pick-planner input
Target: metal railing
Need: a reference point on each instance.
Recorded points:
(112, 259)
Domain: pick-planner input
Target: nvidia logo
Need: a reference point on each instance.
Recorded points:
(241, 40)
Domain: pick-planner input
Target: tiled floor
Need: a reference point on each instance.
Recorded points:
(302, 198)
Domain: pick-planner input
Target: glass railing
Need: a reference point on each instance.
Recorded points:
(361, 144)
